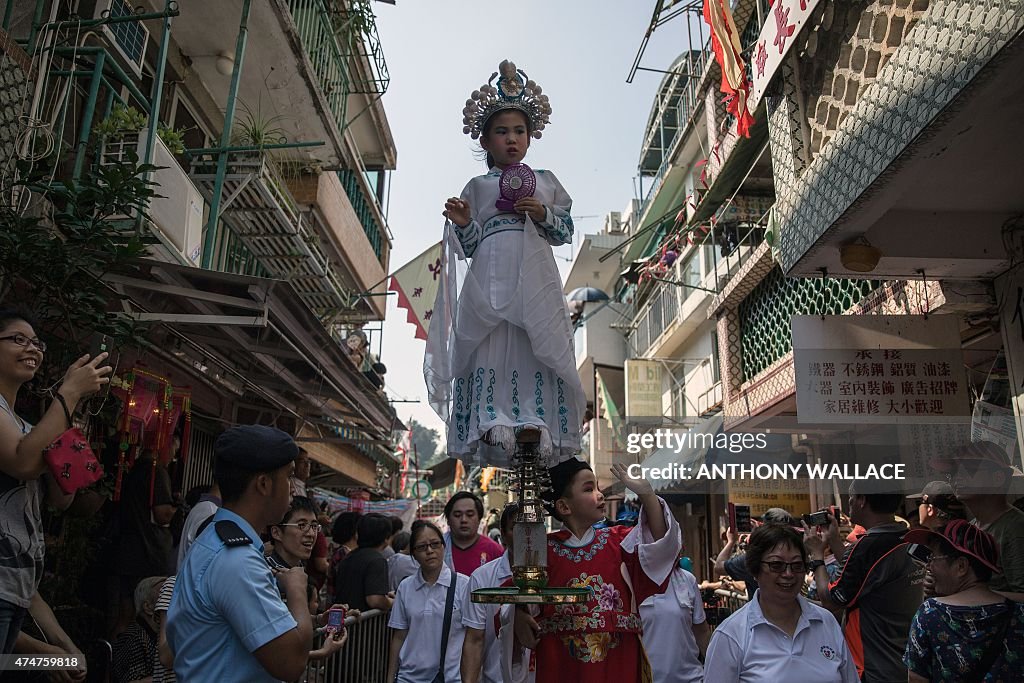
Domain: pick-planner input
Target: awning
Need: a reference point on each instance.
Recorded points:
(255, 339)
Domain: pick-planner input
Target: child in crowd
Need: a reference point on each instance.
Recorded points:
(599, 641)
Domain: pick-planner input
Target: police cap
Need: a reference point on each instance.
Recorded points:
(256, 448)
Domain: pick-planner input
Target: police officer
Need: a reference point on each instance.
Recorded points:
(226, 621)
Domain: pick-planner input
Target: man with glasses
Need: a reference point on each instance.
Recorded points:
(295, 536)
(982, 475)
(879, 586)
(937, 505)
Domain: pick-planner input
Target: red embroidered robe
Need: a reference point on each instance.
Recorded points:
(600, 642)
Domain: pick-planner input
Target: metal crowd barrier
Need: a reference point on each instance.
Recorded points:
(363, 659)
(721, 604)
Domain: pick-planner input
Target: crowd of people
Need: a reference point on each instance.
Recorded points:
(237, 590)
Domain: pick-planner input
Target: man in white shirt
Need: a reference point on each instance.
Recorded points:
(481, 651)
(207, 506)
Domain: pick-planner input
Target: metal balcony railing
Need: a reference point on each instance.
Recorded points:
(368, 212)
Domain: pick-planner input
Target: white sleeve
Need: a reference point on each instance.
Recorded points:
(722, 662)
(657, 558)
(557, 226)
(515, 659)
(399, 610)
(469, 235)
(474, 614)
(698, 602)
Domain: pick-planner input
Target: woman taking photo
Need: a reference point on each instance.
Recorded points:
(966, 632)
(778, 635)
(21, 473)
(425, 601)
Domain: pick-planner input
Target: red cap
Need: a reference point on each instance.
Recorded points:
(965, 537)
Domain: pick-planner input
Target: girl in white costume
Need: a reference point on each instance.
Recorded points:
(500, 355)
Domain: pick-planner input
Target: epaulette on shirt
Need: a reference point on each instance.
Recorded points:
(231, 534)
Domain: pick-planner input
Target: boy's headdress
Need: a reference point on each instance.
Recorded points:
(513, 90)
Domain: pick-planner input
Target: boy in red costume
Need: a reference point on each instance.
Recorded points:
(598, 641)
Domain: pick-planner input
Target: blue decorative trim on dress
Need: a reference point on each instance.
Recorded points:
(538, 394)
(562, 410)
(458, 408)
(584, 553)
(515, 395)
(490, 395)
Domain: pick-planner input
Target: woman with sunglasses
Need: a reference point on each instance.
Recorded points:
(967, 632)
(778, 635)
(22, 484)
(419, 614)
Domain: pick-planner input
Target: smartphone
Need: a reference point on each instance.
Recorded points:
(335, 620)
(919, 552)
(742, 517)
(101, 343)
(819, 518)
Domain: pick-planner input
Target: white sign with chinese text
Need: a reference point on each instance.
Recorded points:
(878, 369)
(644, 390)
(782, 26)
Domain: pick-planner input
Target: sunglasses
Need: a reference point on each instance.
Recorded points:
(779, 567)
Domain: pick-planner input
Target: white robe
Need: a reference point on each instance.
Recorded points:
(500, 347)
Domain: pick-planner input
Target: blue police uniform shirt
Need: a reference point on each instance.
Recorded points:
(226, 605)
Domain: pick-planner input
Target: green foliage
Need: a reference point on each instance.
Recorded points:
(254, 129)
(173, 138)
(425, 441)
(352, 20)
(121, 121)
(56, 259)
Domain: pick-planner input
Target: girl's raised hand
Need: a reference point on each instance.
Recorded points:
(457, 211)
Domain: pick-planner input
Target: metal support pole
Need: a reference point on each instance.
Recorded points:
(158, 93)
(225, 137)
(8, 11)
(37, 19)
(118, 71)
(87, 114)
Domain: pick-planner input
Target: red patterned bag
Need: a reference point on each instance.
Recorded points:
(72, 463)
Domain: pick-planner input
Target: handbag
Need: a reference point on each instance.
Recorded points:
(449, 604)
(71, 461)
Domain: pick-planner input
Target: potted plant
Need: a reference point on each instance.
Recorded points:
(119, 132)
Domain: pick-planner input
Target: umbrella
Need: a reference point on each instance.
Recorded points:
(586, 294)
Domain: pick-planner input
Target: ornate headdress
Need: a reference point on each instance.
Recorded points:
(513, 91)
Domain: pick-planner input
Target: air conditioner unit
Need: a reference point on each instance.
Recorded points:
(178, 212)
(129, 38)
(613, 223)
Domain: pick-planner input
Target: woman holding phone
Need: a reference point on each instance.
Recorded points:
(23, 482)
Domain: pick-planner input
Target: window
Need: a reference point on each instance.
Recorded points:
(194, 135)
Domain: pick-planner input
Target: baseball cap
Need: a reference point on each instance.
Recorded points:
(965, 538)
(941, 495)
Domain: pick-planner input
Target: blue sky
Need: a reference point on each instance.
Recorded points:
(578, 51)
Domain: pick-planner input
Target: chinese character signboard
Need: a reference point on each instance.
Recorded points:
(781, 29)
(644, 390)
(878, 369)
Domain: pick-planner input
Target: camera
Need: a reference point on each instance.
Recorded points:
(819, 518)
(335, 620)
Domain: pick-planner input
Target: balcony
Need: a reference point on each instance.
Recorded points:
(265, 219)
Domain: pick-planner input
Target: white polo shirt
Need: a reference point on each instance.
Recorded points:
(481, 616)
(419, 608)
(746, 648)
(668, 638)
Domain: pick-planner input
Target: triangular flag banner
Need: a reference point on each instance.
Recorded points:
(611, 411)
(416, 283)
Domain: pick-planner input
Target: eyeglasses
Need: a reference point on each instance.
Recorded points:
(22, 340)
(778, 567)
(305, 526)
(422, 547)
